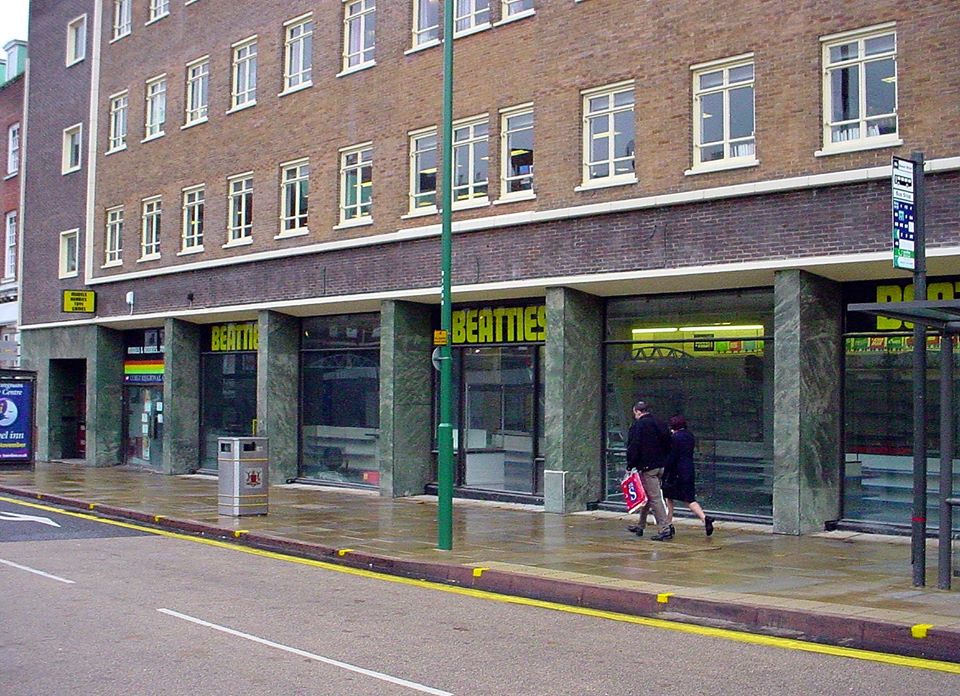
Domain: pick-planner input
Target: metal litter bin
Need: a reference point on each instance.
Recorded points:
(244, 476)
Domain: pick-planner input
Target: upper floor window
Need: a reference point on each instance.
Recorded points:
(426, 22)
(122, 18)
(608, 135)
(10, 246)
(192, 232)
(515, 7)
(118, 122)
(723, 107)
(470, 161)
(516, 153)
(240, 208)
(198, 81)
(471, 14)
(158, 9)
(860, 89)
(72, 148)
(156, 111)
(294, 193)
(13, 149)
(77, 40)
(359, 32)
(69, 252)
(150, 229)
(244, 87)
(113, 239)
(298, 53)
(356, 183)
(423, 171)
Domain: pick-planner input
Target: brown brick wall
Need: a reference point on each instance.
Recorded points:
(11, 112)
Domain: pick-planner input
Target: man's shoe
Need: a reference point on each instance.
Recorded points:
(662, 536)
(634, 528)
(708, 524)
(672, 530)
(639, 531)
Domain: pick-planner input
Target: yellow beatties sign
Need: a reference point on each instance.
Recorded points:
(499, 325)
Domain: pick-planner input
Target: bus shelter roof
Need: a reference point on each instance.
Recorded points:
(939, 314)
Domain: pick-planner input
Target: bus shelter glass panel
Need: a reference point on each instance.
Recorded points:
(708, 357)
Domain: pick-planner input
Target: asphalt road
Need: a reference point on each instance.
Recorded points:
(89, 607)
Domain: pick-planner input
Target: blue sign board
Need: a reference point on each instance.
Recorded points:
(904, 235)
(16, 421)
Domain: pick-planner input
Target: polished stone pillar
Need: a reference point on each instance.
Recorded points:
(808, 352)
(181, 397)
(277, 393)
(572, 411)
(105, 398)
(406, 462)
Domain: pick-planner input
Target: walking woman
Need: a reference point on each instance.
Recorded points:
(678, 482)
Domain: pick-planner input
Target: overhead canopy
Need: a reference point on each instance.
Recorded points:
(939, 314)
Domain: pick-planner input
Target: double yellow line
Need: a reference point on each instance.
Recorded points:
(721, 633)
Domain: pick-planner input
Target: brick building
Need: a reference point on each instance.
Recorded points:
(255, 208)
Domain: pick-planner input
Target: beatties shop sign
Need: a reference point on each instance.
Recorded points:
(478, 325)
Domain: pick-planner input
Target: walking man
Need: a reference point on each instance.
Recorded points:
(648, 448)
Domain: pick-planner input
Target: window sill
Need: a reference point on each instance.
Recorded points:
(472, 30)
(191, 251)
(8, 279)
(355, 222)
(115, 150)
(73, 62)
(117, 38)
(470, 203)
(72, 274)
(150, 257)
(191, 124)
(301, 232)
(243, 241)
(153, 137)
(516, 198)
(112, 264)
(241, 107)
(423, 47)
(357, 68)
(858, 146)
(420, 212)
(721, 166)
(516, 17)
(156, 19)
(299, 88)
(11, 175)
(64, 172)
(609, 182)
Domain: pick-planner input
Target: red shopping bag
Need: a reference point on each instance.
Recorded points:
(633, 494)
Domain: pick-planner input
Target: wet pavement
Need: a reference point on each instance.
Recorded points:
(838, 587)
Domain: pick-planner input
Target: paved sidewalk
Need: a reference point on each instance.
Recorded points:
(841, 588)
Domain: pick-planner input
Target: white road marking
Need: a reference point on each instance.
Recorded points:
(303, 653)
(20, 517)
(38, 572)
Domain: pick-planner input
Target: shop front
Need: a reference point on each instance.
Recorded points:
(228, 386)
(143, 398)
(498, 404)
(709, 357)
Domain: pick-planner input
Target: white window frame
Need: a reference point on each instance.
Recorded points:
(506, 148)
(295, 221)
(470, 16)
(240, 209)
(151, 220)
(119, 110)
(155, 114)
(298, 53)
(516, 9)
(158, 10)
(69, 264)
(243, 71)
(122, 18)
(76, 40)
(863, 141)
(113, 237)
(13, 149)
(358, 17)
(72, 155)
(356, 174)
(10, 246)
(193, 199)
(197, 102)
(471, 146)
(608, 113)
(418, 148)
(727, 143)
(424, 35)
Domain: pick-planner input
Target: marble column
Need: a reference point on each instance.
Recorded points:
(808, 343)
(181, 397)
(572, 409)
(105, 398)
(277, 394)
(406, 462)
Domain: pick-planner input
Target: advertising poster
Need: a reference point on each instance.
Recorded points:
(16, 421)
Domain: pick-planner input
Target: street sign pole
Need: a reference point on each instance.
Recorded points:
(445, 425)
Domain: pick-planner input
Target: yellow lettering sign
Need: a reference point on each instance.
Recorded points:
(234, 337)
(894, 293)
(487, 325)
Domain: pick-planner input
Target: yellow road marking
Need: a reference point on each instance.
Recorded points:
(722, 633)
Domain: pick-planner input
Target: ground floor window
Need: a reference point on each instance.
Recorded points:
(708, 357)
(340, 399)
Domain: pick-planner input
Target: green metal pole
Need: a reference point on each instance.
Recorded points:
(445, 426)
